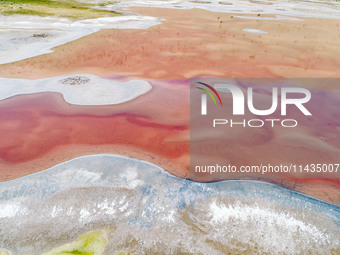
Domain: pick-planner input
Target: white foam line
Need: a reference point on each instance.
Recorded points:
(83, 89)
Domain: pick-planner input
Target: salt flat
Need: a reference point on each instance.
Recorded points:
(135, 200)
(24, 36)
(82, 89)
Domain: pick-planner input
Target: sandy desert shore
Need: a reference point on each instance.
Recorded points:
(197, 42)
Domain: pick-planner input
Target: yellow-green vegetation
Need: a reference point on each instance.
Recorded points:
(333, 252)
(4, 252)
(63, 8)
(92, 243)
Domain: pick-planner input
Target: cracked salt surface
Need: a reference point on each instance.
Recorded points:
(163, 214)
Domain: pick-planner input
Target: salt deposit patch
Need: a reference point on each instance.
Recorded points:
(277, 17)
(257, 219)
(28, 36)
(19, 44)
(254, 31)
(83, 89)
(317, 9)
(214, 218)
(10, 209)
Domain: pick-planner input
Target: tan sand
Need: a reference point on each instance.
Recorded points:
(196, 42)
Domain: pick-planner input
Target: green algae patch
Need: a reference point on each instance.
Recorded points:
(92, 243)
(64, 8)
(4, 252)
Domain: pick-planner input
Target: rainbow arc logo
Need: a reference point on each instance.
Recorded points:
(239, 99)
(204, 97)
(209, 93)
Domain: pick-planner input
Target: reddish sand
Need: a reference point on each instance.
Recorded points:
(196, 42)
(41, 130)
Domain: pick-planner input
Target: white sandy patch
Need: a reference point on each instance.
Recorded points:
(254, 31)
(85, 174)
(245, 213)
(19, 44)
(130, 178)
(277, 17)
(83, 89)
(9, 209)
(24, 36)
(260, 221)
